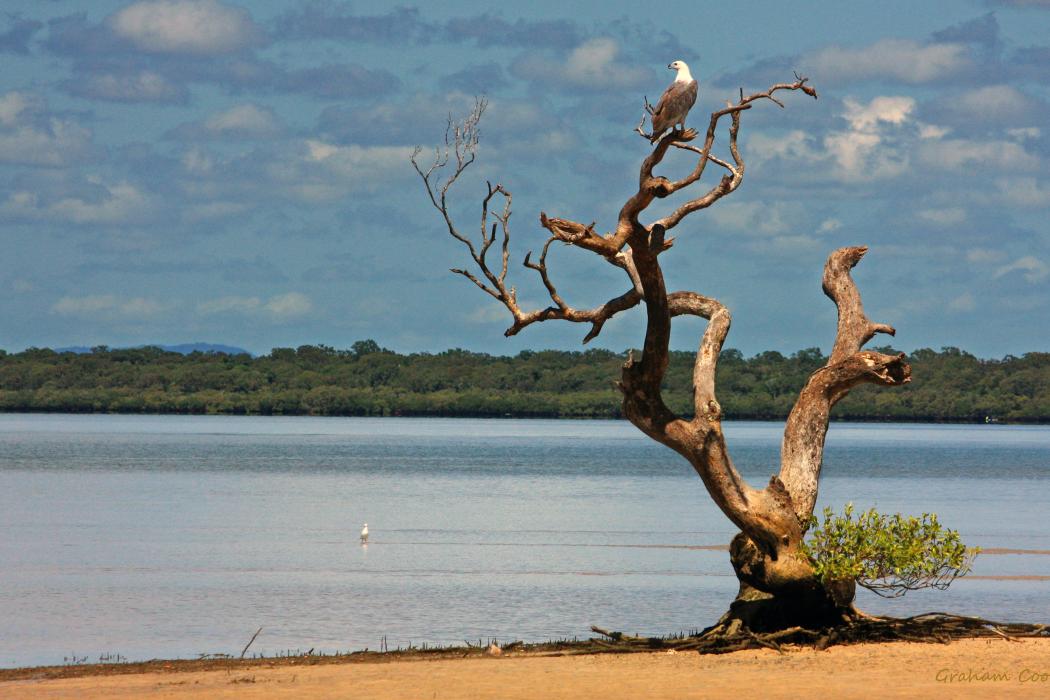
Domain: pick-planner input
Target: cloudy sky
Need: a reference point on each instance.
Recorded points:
(198, 170)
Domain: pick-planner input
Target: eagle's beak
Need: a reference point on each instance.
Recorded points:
(669, 65)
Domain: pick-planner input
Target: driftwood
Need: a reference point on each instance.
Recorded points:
(245, 649)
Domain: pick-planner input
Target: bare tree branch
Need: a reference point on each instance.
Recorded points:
(732, 181)
(459, 152)
(652, 187)
(461, 140)
(854, 327)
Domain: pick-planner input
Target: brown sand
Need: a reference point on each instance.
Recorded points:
(981, 668)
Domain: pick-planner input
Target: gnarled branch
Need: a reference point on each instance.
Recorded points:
(854, 327)
(802, 450)
(459, 151)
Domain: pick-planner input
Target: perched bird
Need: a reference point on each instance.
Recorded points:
(675, 103)
(364, 534)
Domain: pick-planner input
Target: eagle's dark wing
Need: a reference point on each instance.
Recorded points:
(673, 106)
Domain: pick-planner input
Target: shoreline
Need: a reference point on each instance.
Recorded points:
(971, 668)
(230, 664)
(524, 417)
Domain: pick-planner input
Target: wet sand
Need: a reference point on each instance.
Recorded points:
(966, 669)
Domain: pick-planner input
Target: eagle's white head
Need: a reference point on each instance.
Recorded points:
(684, 76)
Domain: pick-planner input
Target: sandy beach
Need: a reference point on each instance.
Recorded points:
(966, 669)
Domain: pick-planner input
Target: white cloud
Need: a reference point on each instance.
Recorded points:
(247, 119)
(214, 210)
(950, 216)
(829, 225)
(232, 304)
(198, 162)
(868, 149)
(1024, 191)
(796, 145)
(185, 26)
(141, 307)
(124, 203)
(963, 302)
(594, 61)
(311, 170)
(282, 306)
(1032, 269)
(893, 59)
(12, 104)
(1024, 133)
(984, 255)
(789, 244)
(82, 305)
(326, 171)
(932, 131)
(517, 115)
(108, 305)
(29, 135)
(1025, 3)
(289, 305)
(592, 65)
(881, 110)
(495, 313)
(767, 218)
(994, 103)
(853, 152)
(955, 154)
(531, 145)
(140, 86)
(883, 140)
(120, 203)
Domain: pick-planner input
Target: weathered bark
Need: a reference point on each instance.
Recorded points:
(803, 444)
(777, 580)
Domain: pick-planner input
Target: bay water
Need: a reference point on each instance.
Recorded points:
(138, 537)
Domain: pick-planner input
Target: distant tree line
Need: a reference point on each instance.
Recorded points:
(368, 380)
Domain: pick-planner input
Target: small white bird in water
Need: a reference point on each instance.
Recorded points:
(364, 534)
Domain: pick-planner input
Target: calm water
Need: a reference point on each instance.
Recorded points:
(173, 536)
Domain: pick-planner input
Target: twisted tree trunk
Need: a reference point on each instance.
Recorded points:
(777, 583)
(778, 587)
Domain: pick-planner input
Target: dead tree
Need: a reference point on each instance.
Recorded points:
(777, 585)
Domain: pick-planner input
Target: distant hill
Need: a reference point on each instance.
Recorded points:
(183, 349)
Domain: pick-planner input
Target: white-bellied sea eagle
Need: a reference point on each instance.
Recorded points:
(676, 101)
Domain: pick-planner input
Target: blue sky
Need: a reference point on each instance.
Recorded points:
(199, 170)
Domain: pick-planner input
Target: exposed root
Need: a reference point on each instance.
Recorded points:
(729, 635)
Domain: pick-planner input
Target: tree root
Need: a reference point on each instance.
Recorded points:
(729, 635)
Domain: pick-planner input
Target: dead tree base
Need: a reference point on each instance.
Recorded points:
(731, 634)
(762, 612)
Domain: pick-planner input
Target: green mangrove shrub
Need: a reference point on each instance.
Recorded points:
(887, 554)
